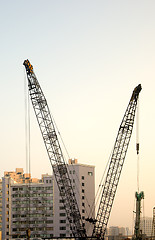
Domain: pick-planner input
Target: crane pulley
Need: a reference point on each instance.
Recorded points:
(57, 161)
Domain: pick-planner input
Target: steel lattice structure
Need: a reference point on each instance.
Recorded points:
(60, 168)
(54, 151)
(115, 166)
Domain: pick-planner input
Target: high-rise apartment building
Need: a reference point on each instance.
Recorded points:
(27, 206)
(83, 181)
(36, 204)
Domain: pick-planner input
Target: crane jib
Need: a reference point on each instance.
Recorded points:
(116, 165)
(54, 152)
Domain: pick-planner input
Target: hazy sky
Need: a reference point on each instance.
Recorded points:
(88, 57)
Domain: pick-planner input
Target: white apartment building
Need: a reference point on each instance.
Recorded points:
(146, 226)
(36, 204)
(83, 182)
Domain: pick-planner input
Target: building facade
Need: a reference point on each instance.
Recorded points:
(115, 231)
(146, 226)
(83, 181)
(34, 206)
(27, 206)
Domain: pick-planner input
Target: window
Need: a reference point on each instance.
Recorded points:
(63, 221)
(61, 207)
(62, 214)
(82, 190)
(62, 235)
(83, 204)
(46, 181)
(82, 177)
(90, 173)
(49, 228)
(62, 228)
(83, 184)
(83, 211)
(73, 171)
(82, 197)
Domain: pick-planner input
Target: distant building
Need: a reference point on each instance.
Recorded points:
(30, 203)
(146, 226)
(153, 227)
(115, 231)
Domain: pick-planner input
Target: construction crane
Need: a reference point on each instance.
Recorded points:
(115, 166)
(55, 154)
(60, 168)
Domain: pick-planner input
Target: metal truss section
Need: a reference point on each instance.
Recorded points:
(115, 166)
(54, 151)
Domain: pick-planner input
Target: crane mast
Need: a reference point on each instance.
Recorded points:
(54, 151)
(115, 166)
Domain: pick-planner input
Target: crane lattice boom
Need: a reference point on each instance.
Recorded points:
(60, 168)
(54, 152)
(115, 167)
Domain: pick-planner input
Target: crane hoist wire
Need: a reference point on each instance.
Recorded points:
(27, 128)
(99, 190)
(137, 144)
(27, 149)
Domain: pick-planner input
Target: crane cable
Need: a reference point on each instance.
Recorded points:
(71, 165)
(27, 127)
(100, 187)
(27, 147)
(137, 144)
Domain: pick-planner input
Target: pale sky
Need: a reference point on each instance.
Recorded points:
(88, 57)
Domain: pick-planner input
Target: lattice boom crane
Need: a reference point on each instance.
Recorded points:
(60, 168)
(54, 151)
(115, 166)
